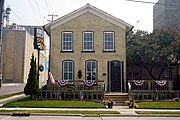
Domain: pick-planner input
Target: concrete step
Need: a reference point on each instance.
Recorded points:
(119, 98)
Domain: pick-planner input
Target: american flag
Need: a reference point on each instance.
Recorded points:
(51, 78)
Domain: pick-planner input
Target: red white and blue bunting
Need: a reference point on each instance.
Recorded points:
(138, 82)
(89, 82)
(161, 82)
(64, 82)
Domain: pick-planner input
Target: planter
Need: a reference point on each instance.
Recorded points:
(130, 106)
(110, 105)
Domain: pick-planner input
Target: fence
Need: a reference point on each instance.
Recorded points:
(154, 95)
(152, 89)
(151, 84)
(76, 90)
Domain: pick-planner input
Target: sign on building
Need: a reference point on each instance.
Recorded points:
(39, 39)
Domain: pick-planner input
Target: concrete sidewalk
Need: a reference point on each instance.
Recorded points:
(9, 88)
(124, 110)
(16, 97)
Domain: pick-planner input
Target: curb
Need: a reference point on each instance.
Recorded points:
(159, 115)
(20, 114)
(89, 115)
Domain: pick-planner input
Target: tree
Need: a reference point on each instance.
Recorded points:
(153, 50)
(31, 87)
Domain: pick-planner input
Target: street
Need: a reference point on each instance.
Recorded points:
(2, 117)
(11, 88)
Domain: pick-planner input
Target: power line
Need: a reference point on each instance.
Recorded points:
(54, 7)
(153, 3)
(33, 10)
(47, 5)
(52, 10)
(39, 10)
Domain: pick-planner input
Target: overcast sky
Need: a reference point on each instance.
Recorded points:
(35, 12)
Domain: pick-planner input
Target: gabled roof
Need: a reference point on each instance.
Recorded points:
(91, 9)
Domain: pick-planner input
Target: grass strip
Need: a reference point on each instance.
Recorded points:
(60, 111)
(10, 95)
(157, 112)
(159, 105)
(25, 102)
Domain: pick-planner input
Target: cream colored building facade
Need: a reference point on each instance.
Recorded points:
(91, 41)
(17, 51)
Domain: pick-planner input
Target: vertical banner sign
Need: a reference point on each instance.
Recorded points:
(39, 39)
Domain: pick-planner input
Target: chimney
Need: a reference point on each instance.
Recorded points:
(7, 12)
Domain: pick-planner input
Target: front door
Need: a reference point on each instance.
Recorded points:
(115, 76)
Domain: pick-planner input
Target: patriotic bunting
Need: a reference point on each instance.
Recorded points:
(64, 82)
(161, 82)
(89, 82)
(138, 82)
(60, 82)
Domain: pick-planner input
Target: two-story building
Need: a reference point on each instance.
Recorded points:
(89, 44)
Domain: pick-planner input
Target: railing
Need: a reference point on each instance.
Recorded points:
(154, 95)
(79, 91)
(152, 89)
(151, 84)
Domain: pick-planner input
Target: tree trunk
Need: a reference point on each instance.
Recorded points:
(30, 96)
(153, 76)
(177, 73)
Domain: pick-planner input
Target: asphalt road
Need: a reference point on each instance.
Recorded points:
(11, 88)
(8, 88)
(2, 117)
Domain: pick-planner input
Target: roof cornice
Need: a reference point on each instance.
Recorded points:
(91, 9)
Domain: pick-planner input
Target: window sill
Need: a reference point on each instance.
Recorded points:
(109, 51)
(67, 51)
(87, 51)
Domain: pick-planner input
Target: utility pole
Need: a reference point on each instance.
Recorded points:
(1, 31)
(1, 18)
(52, 17)
(137, 23)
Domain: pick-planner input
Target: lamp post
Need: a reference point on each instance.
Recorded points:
(38, 44)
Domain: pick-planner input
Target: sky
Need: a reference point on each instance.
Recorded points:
(35, 12)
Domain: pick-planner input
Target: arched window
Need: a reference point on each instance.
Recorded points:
(68, 70)
(91, 70)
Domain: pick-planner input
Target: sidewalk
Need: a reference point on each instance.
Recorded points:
(6, 100)
(9, 88)
(125, 111)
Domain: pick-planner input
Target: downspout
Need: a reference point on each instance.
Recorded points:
(15, 56)
(127, 33)
(24, 58)
(49, 34)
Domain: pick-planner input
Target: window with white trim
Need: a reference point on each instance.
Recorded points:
(66, 41)
(87, 41)
(108, 41)
(91, 70)
(68, 68)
